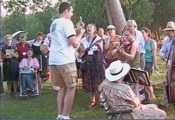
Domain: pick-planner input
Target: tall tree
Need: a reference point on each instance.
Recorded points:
(115, 14)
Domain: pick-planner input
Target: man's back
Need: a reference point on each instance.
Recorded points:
(61, 52)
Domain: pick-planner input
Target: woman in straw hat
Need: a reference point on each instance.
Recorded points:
(120, 96)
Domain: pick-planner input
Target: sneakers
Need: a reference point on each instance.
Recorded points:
(61, 117)
(56, 88)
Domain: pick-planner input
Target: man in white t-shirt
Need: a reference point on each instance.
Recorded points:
(62, 58)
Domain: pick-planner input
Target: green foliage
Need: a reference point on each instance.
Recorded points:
(47, 17)
(33, 25)
(150, 13)
(141, 10)
(14, 7)
(13, 23)
(164, 12)
(92, 11)
(39, 21)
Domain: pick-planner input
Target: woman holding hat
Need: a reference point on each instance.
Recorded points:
(120, 96)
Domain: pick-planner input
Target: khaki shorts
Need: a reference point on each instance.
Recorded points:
(64, 75)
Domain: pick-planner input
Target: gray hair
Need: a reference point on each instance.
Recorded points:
(8, 35)
(23, 37)
(132, 22)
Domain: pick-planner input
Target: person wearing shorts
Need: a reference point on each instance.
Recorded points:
(62, 58)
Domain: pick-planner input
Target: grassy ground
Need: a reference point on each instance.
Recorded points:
(45, 106)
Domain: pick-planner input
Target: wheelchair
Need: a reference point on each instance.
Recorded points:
(36, 81)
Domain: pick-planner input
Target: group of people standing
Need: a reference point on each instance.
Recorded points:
(96, 51)
(23, 57)
(105, 60)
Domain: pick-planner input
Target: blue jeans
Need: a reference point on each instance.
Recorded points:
(28, 81)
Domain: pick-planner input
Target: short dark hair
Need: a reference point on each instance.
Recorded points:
(39, 34)
(64, 6)
(147, 30)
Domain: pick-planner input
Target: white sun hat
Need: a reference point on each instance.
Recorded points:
(111, 27)
(170, 26)
(116, 70)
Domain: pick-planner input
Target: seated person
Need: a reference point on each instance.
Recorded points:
(28, 67)
(120, 96)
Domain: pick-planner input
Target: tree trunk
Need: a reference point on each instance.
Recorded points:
(115, 14)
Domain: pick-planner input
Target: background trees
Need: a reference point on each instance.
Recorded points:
(39, 15)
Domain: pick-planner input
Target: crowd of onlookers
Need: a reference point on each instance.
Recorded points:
(28, 60)
(25, 62)
(31, 57)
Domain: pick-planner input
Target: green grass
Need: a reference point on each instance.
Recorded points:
(45, 106)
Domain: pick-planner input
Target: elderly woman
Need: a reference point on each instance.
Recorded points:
(120, 96)
(10, 64)
(92, 65)
(22, 47)
(28, 66)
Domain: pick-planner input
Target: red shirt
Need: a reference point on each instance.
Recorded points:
(22, 50)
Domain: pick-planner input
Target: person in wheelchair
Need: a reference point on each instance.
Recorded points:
(28, 68)
(120, 96)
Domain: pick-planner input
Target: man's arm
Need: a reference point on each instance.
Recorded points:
(163, 52)
(75, 40)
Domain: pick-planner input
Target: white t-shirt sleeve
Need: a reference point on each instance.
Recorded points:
(69, 29)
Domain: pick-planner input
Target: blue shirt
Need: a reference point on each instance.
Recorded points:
(140, 40)
(165, 48)
(149, 51)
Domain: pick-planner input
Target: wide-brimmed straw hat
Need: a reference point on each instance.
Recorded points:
(116, 70)
(170, 26)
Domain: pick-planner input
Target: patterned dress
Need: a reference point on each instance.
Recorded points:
(92, 67)
(120, 96)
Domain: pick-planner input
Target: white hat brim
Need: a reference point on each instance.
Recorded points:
(167, 29)
(110, 77)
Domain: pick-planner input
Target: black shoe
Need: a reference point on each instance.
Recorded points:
(146, 101)
(160, 106)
